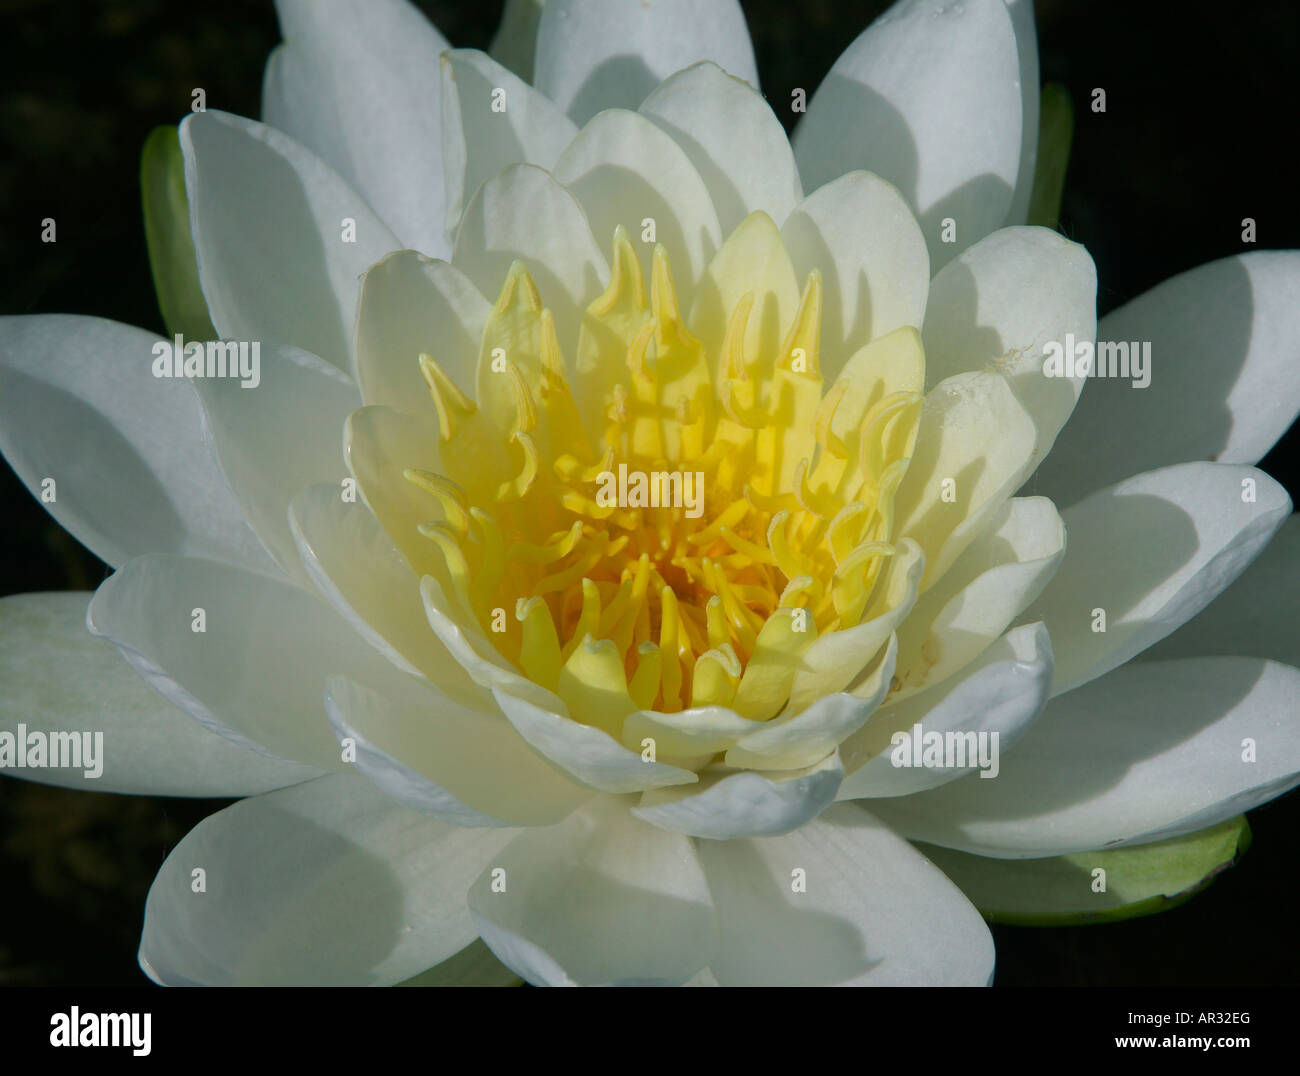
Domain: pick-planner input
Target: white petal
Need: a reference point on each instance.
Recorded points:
(998, 575)
(276, 437)
(623, 169)
(356, 82)
(974, 447)
(1022, 20)
(435, 756)
(746, 804)
(361, 574)
(1224, 376)
(1257, 616)
(861, 234)
(928, 97)
(733, 139)
(999, 303)
(256, 674)
(600, 899)
(1151, 552)
(524, 214)
(612, 54)
(328, 883)
(585, 753)
(410, 305)
(841, 902)
(132, 470)
(492, 119)
(1150, 751)
(269, 224)
(1001, 695)
(59, 678)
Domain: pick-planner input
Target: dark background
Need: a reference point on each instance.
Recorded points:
(1199, 132)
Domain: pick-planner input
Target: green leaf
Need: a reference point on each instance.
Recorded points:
(1140, 880)
(167, 233)
(475, 965)
(1055, 132)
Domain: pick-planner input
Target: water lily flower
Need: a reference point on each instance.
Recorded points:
(691, 482)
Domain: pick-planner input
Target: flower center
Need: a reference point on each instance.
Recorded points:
(680, 523)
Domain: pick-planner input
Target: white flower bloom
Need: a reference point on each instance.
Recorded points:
(608, 739)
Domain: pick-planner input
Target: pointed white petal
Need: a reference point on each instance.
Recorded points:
(356, 82)
(1152, 750)
(612, 54)
(600, 899)
(733, 139)
(269, 220)
(328, 883)
(841, 902)
(278, 436)
(1150, 553)
(60, 679)
(132, 470)
(860, 233)
(928, 97)
(1224, 373)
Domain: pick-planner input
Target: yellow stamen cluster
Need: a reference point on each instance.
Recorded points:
(649, 605)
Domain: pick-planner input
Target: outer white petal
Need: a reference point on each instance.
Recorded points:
(58, 678)
(1003, 693)
(268, 219)
(1257, 616)
(600, 899)
(928, 97)
(256, 674)
(277, 437)
(410, 305)
(871, 910)
(875, 268)
(356, 82)
(1150, 751)
(1151, 552)
(733, 139)
(746, 804)
(359, 571)
(1022, 20)
(490, 119)
(524, 214)
(430, 753)
(998, 575)
(587, 754)
(328, 883)
(611, 54)
(977, 435)
(999, 303)
(132, 470)
(1224, 370)
(623, 169)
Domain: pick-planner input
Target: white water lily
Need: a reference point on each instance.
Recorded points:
(608, 739)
